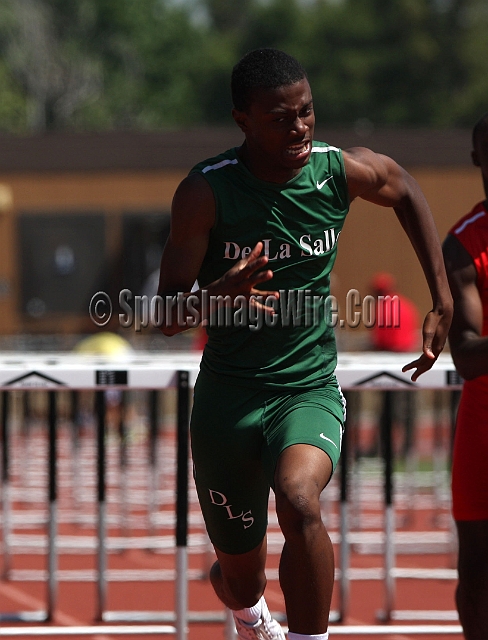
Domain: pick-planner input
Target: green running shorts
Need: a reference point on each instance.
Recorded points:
(237, 435)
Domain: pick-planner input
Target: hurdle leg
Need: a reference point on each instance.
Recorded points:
(389, 526)
(344, 526)
(355, 453)
(75, 449)
(410, 453)
(19, 616)
(25, 429)
(123, 466)
(6, 513)
(102, 514)
(437, 455)
(182, 506)
(455, 397)
(53, 515)
(153, 459)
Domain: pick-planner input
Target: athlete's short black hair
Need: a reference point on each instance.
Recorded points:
(480, 129)
(263, 69)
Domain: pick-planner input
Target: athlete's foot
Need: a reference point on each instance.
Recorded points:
(266, 628)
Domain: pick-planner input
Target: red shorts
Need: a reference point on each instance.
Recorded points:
(470, 460)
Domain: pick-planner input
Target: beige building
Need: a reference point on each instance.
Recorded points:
(86, 212)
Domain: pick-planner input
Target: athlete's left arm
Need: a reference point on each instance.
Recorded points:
(379, 179)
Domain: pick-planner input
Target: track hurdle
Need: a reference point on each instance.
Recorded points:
(40, 615)
(55, 371)
(389, 613)
(181, 616)
(360, 372)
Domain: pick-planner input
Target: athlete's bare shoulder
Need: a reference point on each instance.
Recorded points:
(193, 208)
(365, 170)
(195, 193)
(461, 272)
(456, 257)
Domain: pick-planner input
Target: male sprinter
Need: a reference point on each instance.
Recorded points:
(268, 411)
(466, 255)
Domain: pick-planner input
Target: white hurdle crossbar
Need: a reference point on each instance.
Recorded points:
(151, 630)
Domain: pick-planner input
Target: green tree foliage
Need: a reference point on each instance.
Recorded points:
(53, 78)
(101, 64)
(147, 64)
(386, 62)
(469, 100)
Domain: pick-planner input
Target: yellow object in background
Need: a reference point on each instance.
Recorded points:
(103, 344)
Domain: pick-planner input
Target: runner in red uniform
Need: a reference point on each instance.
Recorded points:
(466, 256)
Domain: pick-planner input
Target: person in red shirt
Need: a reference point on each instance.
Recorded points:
(466, 259)
(397, 325)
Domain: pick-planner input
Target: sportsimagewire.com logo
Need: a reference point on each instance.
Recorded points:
(293, 308)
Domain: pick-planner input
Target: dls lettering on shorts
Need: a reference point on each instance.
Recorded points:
(219, 500)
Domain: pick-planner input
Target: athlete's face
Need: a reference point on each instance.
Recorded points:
(279, 130)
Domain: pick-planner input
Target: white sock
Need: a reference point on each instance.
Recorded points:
(302, 636)
(251, 614)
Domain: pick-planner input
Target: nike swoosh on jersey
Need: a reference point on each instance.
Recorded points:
(321, 184)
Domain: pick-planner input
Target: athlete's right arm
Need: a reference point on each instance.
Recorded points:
(469, 349)
(192, 218)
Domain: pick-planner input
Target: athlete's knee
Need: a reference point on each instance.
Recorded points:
(301, 474)
(298, 507)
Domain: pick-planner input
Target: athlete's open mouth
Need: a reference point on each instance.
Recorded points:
(297, 150)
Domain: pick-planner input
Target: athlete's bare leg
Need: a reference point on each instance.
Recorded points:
(307, 562)
(239, 580)
(472, 590)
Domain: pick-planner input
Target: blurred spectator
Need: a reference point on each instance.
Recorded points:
(397, 326)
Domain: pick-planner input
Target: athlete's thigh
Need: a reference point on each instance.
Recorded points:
(469, 476)
(226, 437)
(314, 417)
(473, 553)
(303, 470)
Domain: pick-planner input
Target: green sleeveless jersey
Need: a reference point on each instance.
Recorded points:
(299, 223)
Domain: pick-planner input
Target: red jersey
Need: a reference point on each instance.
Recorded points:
(469, 477)
(400, 336)
(472, 233)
